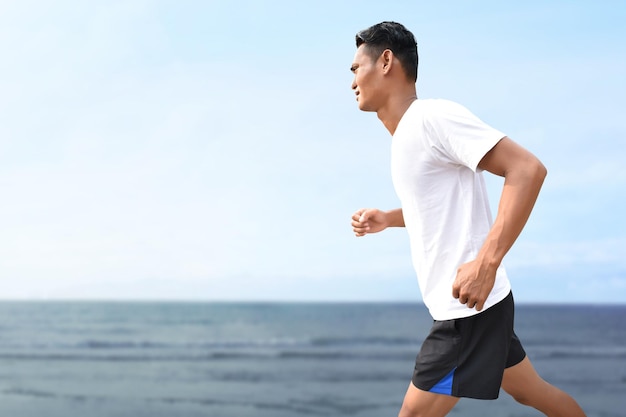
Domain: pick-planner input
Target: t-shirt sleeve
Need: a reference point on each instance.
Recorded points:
(460, 136)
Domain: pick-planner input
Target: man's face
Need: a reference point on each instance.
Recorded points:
(367, 80)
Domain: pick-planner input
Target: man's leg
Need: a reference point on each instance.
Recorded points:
(418, 403)
(523, 383)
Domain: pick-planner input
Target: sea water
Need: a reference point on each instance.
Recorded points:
(96, 359)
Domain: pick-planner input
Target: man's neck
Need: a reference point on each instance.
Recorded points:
(392, 113)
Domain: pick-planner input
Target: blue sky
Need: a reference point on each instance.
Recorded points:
(210, 150)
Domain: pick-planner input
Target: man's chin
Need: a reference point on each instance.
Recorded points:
(364, 107)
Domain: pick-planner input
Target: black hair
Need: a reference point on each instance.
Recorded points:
(395, 37)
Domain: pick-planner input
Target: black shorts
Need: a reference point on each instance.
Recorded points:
(466, 357)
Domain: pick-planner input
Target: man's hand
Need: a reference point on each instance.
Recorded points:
(473, 284)
(365, 221)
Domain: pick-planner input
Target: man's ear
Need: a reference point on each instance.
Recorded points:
(387, 60)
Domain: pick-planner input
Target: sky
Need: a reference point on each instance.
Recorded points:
(213, 150)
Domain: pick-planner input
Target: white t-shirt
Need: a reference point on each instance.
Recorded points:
(435, 153)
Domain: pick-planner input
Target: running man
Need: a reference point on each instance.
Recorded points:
(438, 152)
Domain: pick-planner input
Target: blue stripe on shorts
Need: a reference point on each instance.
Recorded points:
(445, 385)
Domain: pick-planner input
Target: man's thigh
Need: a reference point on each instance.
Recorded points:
(424, 403)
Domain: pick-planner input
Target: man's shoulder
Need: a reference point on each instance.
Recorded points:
(429, 114)
(436, 105)
(436, 111)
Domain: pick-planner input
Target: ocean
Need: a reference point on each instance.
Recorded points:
(97, 359)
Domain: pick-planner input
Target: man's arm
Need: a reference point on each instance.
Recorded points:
(366, 221)
(523, 177)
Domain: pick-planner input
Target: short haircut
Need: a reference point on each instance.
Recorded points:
(395, 37)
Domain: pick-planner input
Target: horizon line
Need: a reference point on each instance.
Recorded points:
(280, 301)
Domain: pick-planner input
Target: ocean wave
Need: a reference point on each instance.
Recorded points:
(578, 352)
(207, 356)
(283, 354)
(320, 405)
(105, 344)
(274, 348)
(372, 341)
(278, 343)
(34, 393)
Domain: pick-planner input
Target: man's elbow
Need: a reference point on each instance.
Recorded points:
(543, 171)
(529, 170)
(539, 171)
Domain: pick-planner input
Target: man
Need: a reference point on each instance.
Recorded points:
(439, 150)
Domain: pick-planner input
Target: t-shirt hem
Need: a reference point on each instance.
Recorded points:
(494, 298)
